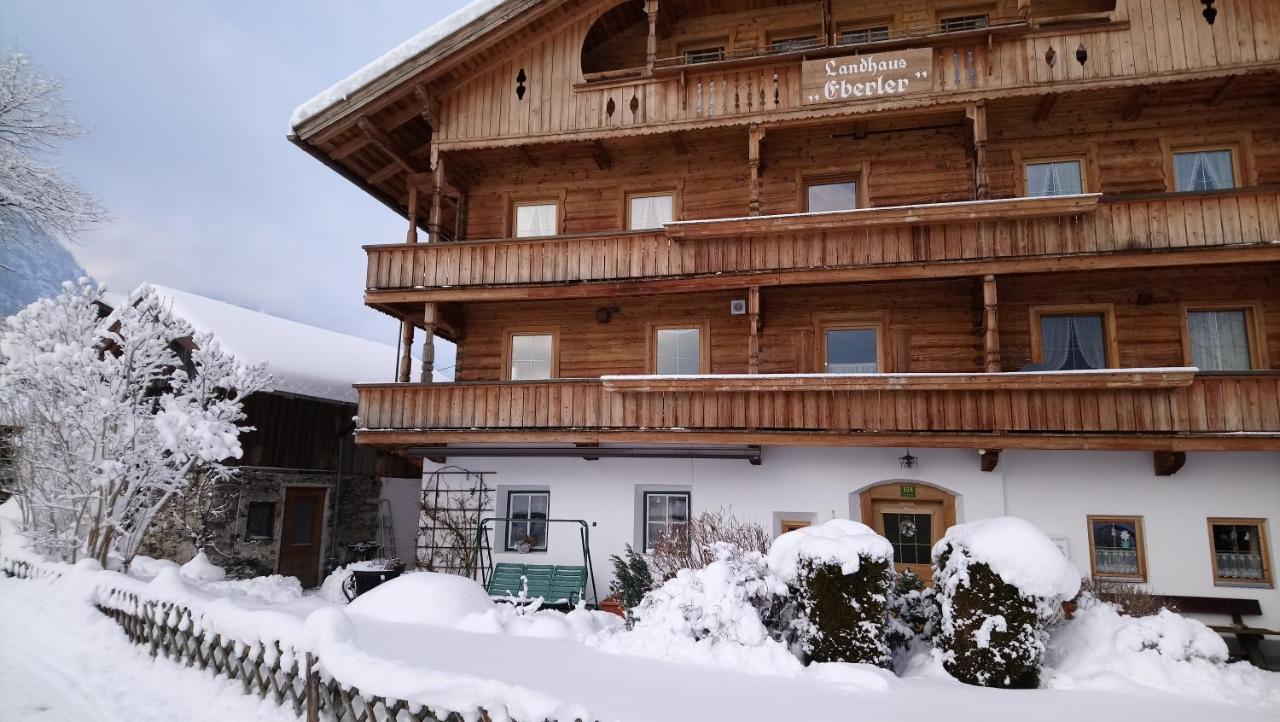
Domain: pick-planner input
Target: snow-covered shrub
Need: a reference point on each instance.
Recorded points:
(913, 612)
(999, 581)
(693, 545)
(1101, 648)
(112, 418)
(838, 575)
(1132, 599)
(631, 580)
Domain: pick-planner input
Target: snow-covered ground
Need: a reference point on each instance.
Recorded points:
(61, 660)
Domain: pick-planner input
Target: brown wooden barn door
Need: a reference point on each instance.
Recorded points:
(302, 534)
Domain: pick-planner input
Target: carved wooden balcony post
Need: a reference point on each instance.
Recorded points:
(437, 193)
(429, 343)
(406, 351)
(977, 113)
(412, 235)
(755, 136)
(753, 321)
(651, 48)
(990, 324)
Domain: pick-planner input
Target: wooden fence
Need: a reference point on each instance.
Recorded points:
(290, 678)
(1156, 223)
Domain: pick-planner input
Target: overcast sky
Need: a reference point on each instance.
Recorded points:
(187, 105)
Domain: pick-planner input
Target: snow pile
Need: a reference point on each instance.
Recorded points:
(407, 50)
(1016, 550)
(1103, 649)
(273, 589)
(200, 569)
(145, 567)
(423, 598)
(710, 616)
(853, 677)
(839, 541)
(12, 543)
(331, 587)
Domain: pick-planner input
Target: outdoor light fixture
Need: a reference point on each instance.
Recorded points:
(907, 461)
(1210, 13)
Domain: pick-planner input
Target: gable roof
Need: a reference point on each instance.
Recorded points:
(302, 360)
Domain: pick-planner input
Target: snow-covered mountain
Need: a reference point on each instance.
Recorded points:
(31, 268)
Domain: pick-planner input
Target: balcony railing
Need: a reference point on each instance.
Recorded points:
(1023, 228)
(1130, 408)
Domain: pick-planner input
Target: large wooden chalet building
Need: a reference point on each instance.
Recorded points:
(911, 262)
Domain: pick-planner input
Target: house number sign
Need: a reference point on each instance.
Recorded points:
(907, 491)
(857, 77)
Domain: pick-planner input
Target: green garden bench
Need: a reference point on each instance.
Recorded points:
(558, 586)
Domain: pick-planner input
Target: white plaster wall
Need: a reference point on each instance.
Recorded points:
(1054, 490)
(405, 497)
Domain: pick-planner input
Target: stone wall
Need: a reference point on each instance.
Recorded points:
(173, 534)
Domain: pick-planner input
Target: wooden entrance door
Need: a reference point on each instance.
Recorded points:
(913, 517)
(302, 534)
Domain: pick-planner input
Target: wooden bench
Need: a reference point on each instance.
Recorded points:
(1250, 638)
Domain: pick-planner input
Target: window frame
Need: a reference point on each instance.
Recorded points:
(964, 14)
(867, 26)
(1137, 520)
(857, 175)
(248, 520)
(853, 322)
(676, 206)
(1264, 543)
(791, 35)
(508, 336)
(704, 343)
(1238, 169)
(644, 512)
(512, 216)
(1253, 325)
(721, 43)
(1086, 172)
(509, 543)
(1106, 310)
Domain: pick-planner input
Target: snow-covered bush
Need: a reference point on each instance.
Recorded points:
(693, 545)
(913, 613)
(113, 417)
(999, 581)
(631, 580)
(838, 574)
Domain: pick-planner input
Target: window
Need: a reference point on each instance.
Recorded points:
(789, 525)
(857, 36)
(831, 196)
(679, 351)
(1219, 339)
(1073, 338)
(649, 211)
(1204, 170)
(693, 56)
(537, 219)
(260, 521)
(1240, 552)
(851, 350)
(910, 535)
(527, 519)
(1116, 548)
(665, 514)
(961, 23)
(1054, 178)
(532, 355)
(793, 44)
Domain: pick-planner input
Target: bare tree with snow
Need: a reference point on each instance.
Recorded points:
(33, 122)
(110, 418)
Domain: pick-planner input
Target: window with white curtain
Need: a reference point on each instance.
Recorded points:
(1073, 342)
(1219, 339)
(537, 219)
(531, 356)
(527, 519)
(852, 351)
(665, 514)
(650, 211)
(679, 351)
(839, 196)
(1054, 178)
(1204, 170)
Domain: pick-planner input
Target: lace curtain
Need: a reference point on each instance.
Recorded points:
(532, 221)
(1205, 170)
(1219, 340)
(649, 212)
(1072, 342)
(1053, 179)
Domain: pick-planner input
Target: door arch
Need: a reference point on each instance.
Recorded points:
(913, 516)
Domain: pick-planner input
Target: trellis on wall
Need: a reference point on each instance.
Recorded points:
(454, 500)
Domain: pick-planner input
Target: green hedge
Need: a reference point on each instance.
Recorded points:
(841, 617)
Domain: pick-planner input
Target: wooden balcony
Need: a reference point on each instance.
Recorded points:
(1149, 409)
(938, 240)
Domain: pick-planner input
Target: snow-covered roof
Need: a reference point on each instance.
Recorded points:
(301, 359)
(389, 61)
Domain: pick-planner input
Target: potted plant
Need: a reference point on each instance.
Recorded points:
(369, 574)
(526, 544)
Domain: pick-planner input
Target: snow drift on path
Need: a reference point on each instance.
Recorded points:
(1102, 649)
(200, 569)
(1017, 551)
(839, 541)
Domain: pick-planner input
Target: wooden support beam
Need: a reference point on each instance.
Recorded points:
(988, 459)
(753, 328)
(1045, 109)
(429, 343)
(755, 141)
(651, 46)
(977, 113)
(428, 107)
(1167, 463)
(412, 235)
(990, 325)
(601, 156)
(434, 225)
(1224, 90)
(383, 142)
(406, 352)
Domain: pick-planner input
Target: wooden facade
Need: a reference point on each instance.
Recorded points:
(582, 105)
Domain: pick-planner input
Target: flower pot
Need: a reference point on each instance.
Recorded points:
(613, 606)
(362, 581)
